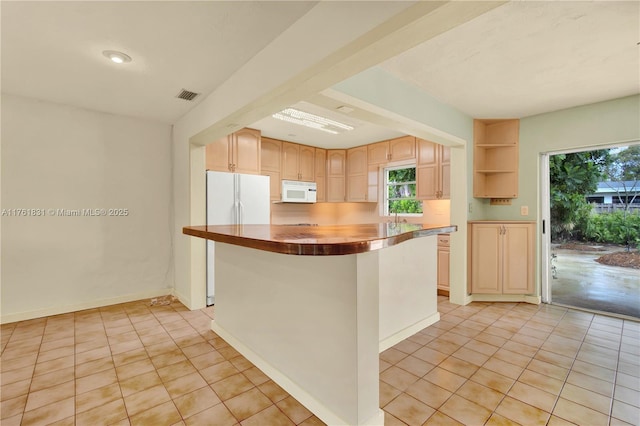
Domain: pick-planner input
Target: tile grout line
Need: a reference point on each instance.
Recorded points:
(524, 369)
(615, 377)
(564, 382)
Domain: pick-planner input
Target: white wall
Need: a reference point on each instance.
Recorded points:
(304, 60)
(604, 123)
(59, 157)
(610, 122)
(448, 126)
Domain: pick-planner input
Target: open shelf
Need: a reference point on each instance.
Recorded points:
(495, 154)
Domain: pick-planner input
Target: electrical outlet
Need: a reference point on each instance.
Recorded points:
(470, 207)
(524, 210)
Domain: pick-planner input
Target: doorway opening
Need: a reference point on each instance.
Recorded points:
(591, 229)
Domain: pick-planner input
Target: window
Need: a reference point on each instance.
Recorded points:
(400, 191)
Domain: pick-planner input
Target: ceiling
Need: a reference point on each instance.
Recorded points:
(52, 50)
(519, 59)
(526, 58)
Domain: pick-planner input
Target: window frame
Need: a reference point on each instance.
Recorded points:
(385, 189)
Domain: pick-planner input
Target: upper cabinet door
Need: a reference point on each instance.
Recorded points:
(357, 174)
(298, 162)
(238, 152)
(403, 148)
(321, 174)
(433, 171)
(427, 170)
(290, 155)
(270, 154)
(270, 158)
(246, 151)
(218, 155)
(357, 160)
(336, 161)
(427, 182)
(427, 153)
(378, 153)
(306, 163)
(445, 172)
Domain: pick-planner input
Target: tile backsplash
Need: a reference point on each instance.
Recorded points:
(435, 211)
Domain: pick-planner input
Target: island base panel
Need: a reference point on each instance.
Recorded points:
(309, 322)
(408, 289)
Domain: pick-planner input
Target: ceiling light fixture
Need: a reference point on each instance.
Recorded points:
(117, 57)
(312, 121)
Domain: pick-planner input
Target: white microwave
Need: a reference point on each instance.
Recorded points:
(294, 191)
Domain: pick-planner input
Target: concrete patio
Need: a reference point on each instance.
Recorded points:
(584, 283)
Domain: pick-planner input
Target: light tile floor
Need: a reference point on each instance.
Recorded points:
(485, 363)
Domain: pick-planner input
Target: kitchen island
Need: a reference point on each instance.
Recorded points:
(312, 306)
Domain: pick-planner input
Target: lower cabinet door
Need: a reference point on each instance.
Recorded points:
(502, 258)
(486, 253)
(517, 269)
(443, 268)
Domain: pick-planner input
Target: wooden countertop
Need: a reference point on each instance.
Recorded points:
(317, 240)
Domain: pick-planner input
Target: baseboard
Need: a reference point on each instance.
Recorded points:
(182, 299)
(39, 313)
(398, 337)
(526, 298)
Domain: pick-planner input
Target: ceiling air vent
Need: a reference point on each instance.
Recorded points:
(187, 95)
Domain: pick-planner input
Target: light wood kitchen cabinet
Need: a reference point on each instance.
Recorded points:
(373, 183)
(495, 158)
(403, 148)
(433, 171)
(502, 257)
(336, 173)
(443, 264)
(238, 152)
(378, 153)
(298, 162)
(270, 158)
(357, 174)
(321, 174)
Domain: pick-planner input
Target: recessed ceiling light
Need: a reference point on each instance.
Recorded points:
(313, 121)
(117, 57)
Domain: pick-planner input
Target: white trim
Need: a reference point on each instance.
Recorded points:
(526, 298)
(545, 237)
(594, 147)
(316, 407)
(385, 169)
(409, 331)
(39, 313)
(545, 209)
(396, 121)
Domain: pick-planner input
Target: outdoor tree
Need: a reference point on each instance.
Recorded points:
(571, 177)
(402, 191)
(623, 177)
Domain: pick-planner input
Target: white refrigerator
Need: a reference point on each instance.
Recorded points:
(234, 199)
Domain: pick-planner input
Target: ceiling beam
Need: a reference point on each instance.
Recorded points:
(406, 29)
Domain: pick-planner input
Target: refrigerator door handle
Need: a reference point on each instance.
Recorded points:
(240, 213)
(236, 199)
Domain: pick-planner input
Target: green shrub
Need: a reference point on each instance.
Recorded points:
(613, 228)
